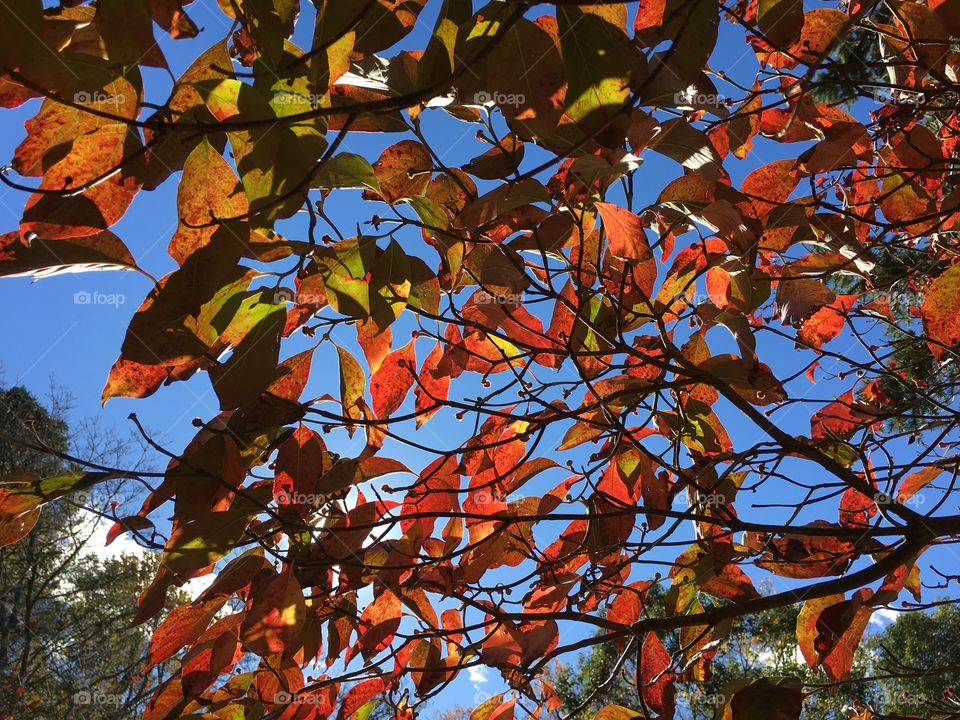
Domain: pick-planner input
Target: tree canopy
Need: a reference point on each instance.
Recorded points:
(513, 313)
(67, 644)
(909, 668)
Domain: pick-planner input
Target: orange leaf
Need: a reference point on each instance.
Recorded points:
(276, 615)
(829, 630)
(378, 623)
(940, 317)
(182, 626)
(627, 237)
(391, 383)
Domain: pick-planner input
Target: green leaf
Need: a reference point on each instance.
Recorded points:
(346, 170)
(182, 318)
(353, 382)
(201, 542)
(602, 66)
(44, 258)
(362, 281)
(126, 32)
(253, 364)
(24, 494)
(276, 157)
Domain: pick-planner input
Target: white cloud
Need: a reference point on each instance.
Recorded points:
(765, 656)
(125, 544)
(477, 675)
(883, 617)
(96, 546)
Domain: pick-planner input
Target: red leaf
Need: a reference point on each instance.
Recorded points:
(804, 556)
(940, 317)
(856, 509)
(819, 29)
(654, 676)
(799, 298)
(840, 419)
(301, 460)
(829, 630)
(432, 386)
(378, 623)
(391, 383)
(629, 603)
(276, 615)
(182, 626)
(359, 695)
(403, 170)
(292, 376)
(827, 322)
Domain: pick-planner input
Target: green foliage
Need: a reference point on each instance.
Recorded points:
(67, 644)
(909, 667)
(918, 659)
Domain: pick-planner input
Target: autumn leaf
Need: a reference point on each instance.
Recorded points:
(628, 240)
(181, 627)
(393, 380)
(352, 383)
(41, 258)
(938, 317)
(432, 386)
(378, 623)
(829, 630)
(776, 698)
(654, 676)
(276, 615)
